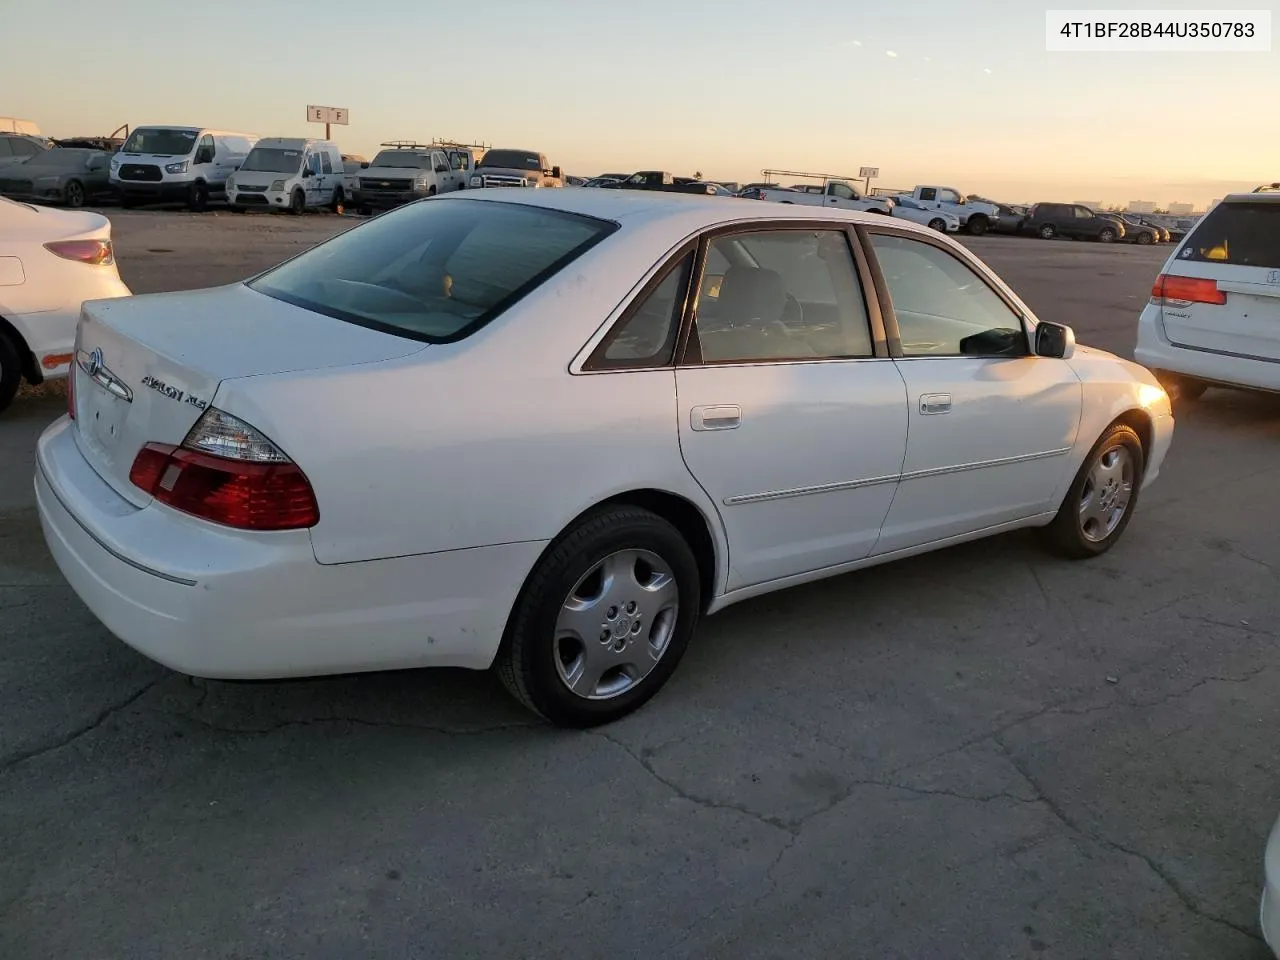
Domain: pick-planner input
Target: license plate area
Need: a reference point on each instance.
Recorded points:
(101, 416)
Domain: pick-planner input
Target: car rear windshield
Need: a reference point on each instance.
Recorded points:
(511, 160)
(272, 160)
(165, 143)
(1245, 234)
(435, 270)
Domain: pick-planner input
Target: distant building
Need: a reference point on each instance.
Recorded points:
(1142, 206)
(1181, 209)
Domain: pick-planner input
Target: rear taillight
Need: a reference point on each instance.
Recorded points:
(248, 483)
(95, 252)
(1174, 291)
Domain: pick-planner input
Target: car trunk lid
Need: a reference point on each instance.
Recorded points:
(147, 367)
(1235, 253)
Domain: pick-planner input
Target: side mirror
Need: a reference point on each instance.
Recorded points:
(555, 172)
(306, 172)
(1055, 340)
(364, 165)
(442, 168)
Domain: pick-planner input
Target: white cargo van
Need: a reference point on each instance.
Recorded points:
(166, 164)
(289, 173)
(14, 125)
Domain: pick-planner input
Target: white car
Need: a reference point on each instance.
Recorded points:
(1214, 312)
(915, 211)
(51, 261)
(550, 431)
(1269, 908)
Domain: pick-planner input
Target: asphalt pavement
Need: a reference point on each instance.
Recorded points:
(981, 753)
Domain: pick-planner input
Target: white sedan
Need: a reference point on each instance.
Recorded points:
(548, 433)
(907, 208)
(51, 261)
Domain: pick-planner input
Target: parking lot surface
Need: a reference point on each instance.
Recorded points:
(982, 753)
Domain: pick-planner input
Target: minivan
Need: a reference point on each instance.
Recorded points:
(289, 173)
(167, 164)
(1214, 312)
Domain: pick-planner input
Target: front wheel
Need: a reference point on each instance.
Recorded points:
(1145, 238)
(1101, 499)
(938, 224)
(198, 197)
(1106, 235)
(977, 225)
(339, 205)
(603, 619)
(73, 194)
(297, 203)
(1047, 232)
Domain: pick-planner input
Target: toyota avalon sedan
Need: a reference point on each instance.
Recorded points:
(549, 432)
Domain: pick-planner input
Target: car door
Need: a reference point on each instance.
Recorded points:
(205, 163)
(840, 195)
(991, 425)
(792, 417)
(929, 197)
(1084, 222)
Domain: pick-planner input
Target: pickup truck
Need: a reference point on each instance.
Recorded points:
(976, 217)
(833, 193)
(405, 171)
(506, 167)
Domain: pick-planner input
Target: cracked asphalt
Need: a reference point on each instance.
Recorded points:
(982, 753)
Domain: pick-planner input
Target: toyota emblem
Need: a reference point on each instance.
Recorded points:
(95, 362)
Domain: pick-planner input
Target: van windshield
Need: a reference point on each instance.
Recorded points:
(272, 160)
(434, 271)
(1246, 234)
(164, 143)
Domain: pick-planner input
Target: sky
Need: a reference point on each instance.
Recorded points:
(969, 97)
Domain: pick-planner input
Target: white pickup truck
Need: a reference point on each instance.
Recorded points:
(832, 193)
(975, 217)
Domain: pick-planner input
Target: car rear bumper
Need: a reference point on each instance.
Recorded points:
(1154, 351)
(215, 602)
(51, 334)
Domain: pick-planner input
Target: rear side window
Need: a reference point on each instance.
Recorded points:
(435, 271)
(1245, 234)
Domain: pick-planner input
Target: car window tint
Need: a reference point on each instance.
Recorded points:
(928, 193)
(434, 271)
(325, 163)
(1245, 234)
(1084, 213)
(5, 149)
(783, 295)
(646, 335)
(943, 307)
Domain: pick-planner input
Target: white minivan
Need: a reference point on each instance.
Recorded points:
(1214, 313)
(289, 173)
(164, 164)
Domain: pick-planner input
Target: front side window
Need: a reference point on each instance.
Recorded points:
(434, 272)
(1084, 213)
(949, 196)
(326, 165)
(781, 295)
(944, 309)
(24, 148)
(646, 334)
(928, 193)
(205, 153)
(1246, 234)
(841, 190)
(313, 162)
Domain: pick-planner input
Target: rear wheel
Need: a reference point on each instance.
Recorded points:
(938, 224)
(73, 194)
(1179, 387)
(10, 371)
(977, 225)
(1145, 238)
(1101, 499)
(1047, 232)
(297, 202)
(339, 204)
(603, 620)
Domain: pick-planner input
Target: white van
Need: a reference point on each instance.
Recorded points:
(164, 164)
(14, 125)
(289, 173)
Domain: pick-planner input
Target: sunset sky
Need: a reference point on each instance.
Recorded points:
(969, 97)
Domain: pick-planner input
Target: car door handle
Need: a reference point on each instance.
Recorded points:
(725, 417)
(932, 403)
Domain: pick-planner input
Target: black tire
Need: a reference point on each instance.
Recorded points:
(526, 662)
(431, 192)
(977, 225)
(128, 203)
(1145, 239)
(198, 197)
(236, 208)
(938, 224)
(1106, 235)
(73, 194)
(1181, 389)
(298, 203)
(1065, 535)
(1047, 231)
(339, 204)
(10, 371)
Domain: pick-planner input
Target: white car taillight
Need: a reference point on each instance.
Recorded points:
(228, 472)
(95, 252)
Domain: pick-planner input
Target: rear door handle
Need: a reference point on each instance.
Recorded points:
(724, 417)
(933, 403)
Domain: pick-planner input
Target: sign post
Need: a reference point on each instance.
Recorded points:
(327, 115)
(867, 174)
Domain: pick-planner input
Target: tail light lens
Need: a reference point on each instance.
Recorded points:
(1174, 291)
(227, 472)
(98, 253)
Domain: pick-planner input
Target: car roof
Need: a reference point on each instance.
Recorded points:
(1251, 198)
(695, 211)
